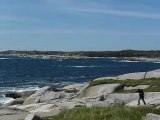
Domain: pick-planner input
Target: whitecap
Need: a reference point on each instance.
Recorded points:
(127, 61)
(20, 89)
(4, 58)
(92, 66)
(5, 100)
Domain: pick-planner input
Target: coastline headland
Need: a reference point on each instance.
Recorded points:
(132, 55)
(101, 92)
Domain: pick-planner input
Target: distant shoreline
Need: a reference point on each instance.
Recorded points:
(131, 55)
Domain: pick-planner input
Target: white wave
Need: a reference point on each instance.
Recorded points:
(4, 58)
(127, 61)
(21, 89)
(4, 100)
(92, 66)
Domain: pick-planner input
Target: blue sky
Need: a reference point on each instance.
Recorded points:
(73, 25)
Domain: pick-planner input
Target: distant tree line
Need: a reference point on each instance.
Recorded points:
(123, 53)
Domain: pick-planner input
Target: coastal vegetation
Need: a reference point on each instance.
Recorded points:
(118, 112)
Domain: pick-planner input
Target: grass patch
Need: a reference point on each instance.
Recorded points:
(109, 113)
(154, 84)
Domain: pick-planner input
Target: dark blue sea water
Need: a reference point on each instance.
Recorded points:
(19, 74)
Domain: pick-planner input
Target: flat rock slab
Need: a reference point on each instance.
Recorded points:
(153, 100)
(98, 90)
(137, 87)
(131, 99)
(77, 87)
(12, 114)
(132, 76)
(153, 74)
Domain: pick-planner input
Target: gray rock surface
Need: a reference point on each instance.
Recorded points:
(152, 116)
(135, 76)
(32, 117)
(76, 87)
(152, 99)
(50, 95)
(132, 76)
(98, 90)
(36, 96)
(12, 114)
(153, 74)
(50, 101)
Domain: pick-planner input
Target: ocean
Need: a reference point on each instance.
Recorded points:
(23, 74)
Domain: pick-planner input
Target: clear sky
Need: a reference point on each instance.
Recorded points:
(73, 25)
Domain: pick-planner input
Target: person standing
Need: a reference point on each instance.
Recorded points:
(141, 96)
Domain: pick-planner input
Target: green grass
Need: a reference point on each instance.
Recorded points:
(108, 113)
(154, 84)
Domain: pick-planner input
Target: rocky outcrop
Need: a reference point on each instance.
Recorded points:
(49, 101)
(36, 96)
(134, 76)
(98, 90)
(50, 95)
(46, 94)
(74, 88)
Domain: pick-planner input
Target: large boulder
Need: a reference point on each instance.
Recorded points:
(13, 95)
(74, 88)
(51, 95)
(152, 116)
(36, 96)
(47, 94)
(98, 90)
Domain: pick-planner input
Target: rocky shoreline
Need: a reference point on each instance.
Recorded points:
(41, 56)
(50, 101)
(133, 55)
(142, 59)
